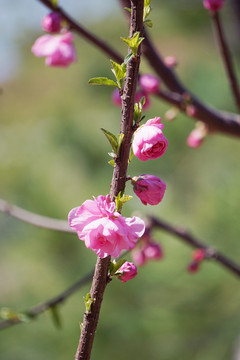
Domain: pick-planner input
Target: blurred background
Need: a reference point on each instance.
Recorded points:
(53, 157)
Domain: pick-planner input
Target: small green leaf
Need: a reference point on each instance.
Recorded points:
(54, 2)
(119, 72)
(112, 140)
(114, 266)
(119, 140)
(128, 57)
(121, 199)
(128, 9)
(147, 2)
(131, 154)
(88, 302)
(148, 23)
(102, 81)
(55, 316)
(133, 42)
(112, 162)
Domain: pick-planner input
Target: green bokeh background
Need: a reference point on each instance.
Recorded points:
(53, 157)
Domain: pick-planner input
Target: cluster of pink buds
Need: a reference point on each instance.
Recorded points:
(213, 5)
(146, 250)
(197, 257)
(58, 48)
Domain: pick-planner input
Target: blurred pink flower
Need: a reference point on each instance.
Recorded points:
(149, 188)
(127, 271)
(195, 138)
(213, 5)
(193, 267)
(116, 98)
(103, 229)
(138, 256)
(58, 49)
(149, 141)
(170, 61)
(52, 22)
(199, 255)
(152, 251)
(149, 83)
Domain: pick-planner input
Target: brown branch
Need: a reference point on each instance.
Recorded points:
(34, 219)
(195, 243)
(56, 300)
(226, 56)
(100, 278)
(224, 122)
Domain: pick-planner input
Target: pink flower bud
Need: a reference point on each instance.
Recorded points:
(171, 114)
(116, 98)
(193, 267)
(213, 5)
(52, 22)
(195, 139)
(138, 256)
(58, 49)
(149, 83)
(170, 61)
(153, 251)
(149, 141)
(149, 188)
(199, 255)
(127, 271)
(103, 229)
(191, 110)
(139, 95)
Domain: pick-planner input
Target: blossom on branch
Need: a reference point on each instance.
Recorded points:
(127, 271)
(103, 229)
(52, 22)
(58, 49)
(149, 83)
(149, 188)
(213, 5)
(149, 141)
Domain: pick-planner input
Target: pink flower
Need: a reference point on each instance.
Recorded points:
(149, 83)
(193, 267)
(103, 229)
(138, 256)
(153, 251)
(52, 22)
(127, 271)
(116, 98)
(213, 5)
(195, 138)
(149, 141)
(149, 188)
(58, 49)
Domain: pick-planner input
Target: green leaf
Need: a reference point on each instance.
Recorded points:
(121, 199)
(102, 81)
(147, 2)
(119, 140)
(128, 57)
(88, 302)
(54, 2)
(119, 72)
(114, 266)
(133, 42)
(112, 162)
(128, 9)
(131, 154)
(112, 140)
(55, 316)
(148, 22)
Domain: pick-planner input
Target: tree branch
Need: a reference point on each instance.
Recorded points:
(34, 219)
(226, 56)
(195, 243)
(216, 120)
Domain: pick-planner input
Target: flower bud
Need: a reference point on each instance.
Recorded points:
(149, 188)
(138, 256)
(199, 255)
(213, 5)
(52, 22)
(149, 83)
(153, 251)
(170, 61)
(127, 271)
(193, 267)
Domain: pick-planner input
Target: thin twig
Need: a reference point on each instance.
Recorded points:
(221, 121)
(55, 301)
(226, 56)
(195, 243)
(34, 219)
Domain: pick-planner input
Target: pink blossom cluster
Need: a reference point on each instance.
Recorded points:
(197, 257)
(58, 49)
(213, 5)
(103, 229)
(146, 250)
